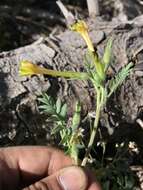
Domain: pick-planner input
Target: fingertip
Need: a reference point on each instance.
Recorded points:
(69, 178)
(72, 178)
(95, 186)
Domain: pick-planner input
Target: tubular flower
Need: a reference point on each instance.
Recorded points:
(82, 29)
(28, 68)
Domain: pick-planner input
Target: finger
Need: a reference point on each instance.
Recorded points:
(25, 165)
(92, 181)
(71, 178)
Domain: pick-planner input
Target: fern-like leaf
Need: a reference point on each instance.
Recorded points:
(107, 54)
(47, 104)
(119, 78)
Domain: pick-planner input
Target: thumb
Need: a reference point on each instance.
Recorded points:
(70, 178)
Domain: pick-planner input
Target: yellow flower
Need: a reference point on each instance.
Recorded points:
(28, 68)
(82, 29)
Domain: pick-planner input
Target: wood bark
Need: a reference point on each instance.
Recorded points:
(66, 52)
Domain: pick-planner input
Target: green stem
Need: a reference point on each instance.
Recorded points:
(74, 153)
(94, 130)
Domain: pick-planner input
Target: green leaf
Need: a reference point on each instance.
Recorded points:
(47, 104)
(64, 140)
(65, 137)
(58, 105)
(47, 109)
(96, 80)
(107, 54)
(63, 111)
(46, 99)
(76, 116)
(56, 129)
(94, 66)
(119, 78)
(88, 61)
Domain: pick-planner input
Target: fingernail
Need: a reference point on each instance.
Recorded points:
(73, 178)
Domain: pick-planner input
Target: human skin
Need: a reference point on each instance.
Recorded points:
(41, 168)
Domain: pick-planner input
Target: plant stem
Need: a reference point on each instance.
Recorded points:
(94, 130)
(74, 153)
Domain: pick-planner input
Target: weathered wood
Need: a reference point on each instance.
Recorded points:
(66, 52)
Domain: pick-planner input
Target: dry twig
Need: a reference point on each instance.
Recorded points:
(93, 7)
(67, 14)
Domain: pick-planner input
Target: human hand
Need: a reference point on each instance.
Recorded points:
(41, 168)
